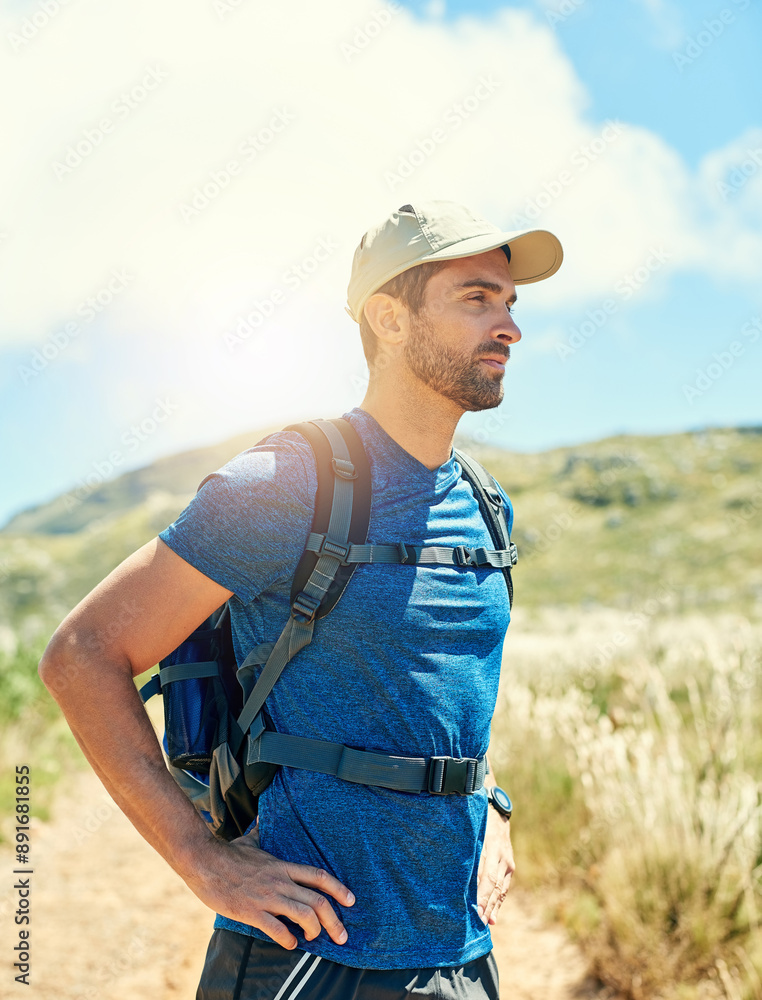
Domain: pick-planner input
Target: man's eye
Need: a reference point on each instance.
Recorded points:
(476, 298)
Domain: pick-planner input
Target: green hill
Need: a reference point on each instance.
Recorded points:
(675, 519)
(619, 522)
(174, 478)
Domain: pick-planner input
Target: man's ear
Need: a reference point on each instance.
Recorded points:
(388, 318)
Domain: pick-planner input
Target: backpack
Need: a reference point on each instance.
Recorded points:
(220, 743)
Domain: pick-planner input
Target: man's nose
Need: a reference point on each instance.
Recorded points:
(507, 330)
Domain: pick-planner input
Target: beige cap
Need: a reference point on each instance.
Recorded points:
(442, 230)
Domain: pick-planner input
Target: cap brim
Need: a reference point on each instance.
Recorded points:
(535, 254)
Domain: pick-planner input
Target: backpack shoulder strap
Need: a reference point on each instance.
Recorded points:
(319, 584)
(492, 507)
(326, 456)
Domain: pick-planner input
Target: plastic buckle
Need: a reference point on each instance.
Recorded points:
(494, 496)
(305, 606)
(514, 553)
(452, 775)
(344, 469)
(331, 548)
(405, 554)
(465, 556)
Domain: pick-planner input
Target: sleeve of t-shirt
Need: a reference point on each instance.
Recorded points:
(247, 525)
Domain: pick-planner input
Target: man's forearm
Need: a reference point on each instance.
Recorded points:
(108, 720)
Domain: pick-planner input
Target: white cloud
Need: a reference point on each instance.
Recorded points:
(357, 90)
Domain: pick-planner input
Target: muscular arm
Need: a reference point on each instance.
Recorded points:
(135, 617)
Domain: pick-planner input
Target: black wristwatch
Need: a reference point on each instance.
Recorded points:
(501, 800)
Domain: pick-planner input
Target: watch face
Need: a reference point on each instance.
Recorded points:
(502, 801)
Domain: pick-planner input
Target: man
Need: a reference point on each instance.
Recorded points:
(343, 890)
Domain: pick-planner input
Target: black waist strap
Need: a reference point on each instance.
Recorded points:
(437, 775)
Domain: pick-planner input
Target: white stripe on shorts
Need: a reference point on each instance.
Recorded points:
(307, 975)
(294, 972)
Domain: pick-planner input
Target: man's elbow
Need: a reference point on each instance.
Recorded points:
(58, 667)
(69, 662)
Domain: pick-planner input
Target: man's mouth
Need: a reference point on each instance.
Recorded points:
(497, 361)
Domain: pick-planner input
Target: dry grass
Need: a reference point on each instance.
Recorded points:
(635, 766)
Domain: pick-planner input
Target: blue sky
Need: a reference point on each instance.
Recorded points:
(649, 327)
(624, 54)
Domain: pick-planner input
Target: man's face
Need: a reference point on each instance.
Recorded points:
(460, 341)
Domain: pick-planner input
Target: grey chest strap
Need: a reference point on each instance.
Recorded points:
(458, 555)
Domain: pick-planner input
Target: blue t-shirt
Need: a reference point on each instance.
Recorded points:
(407, 663)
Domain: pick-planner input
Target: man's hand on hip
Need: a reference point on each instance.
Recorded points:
(496, 866)
(244, 883)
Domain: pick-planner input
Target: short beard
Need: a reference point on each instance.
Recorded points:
(457, 377)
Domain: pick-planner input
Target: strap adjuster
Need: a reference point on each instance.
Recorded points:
(343, 468)
(331, 548)
(305, 606)
(407, 553)
(514, 553)
(452, 775)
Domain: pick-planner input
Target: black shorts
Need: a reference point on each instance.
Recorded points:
(239, 967)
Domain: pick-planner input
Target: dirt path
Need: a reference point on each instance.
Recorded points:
(111, 921)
